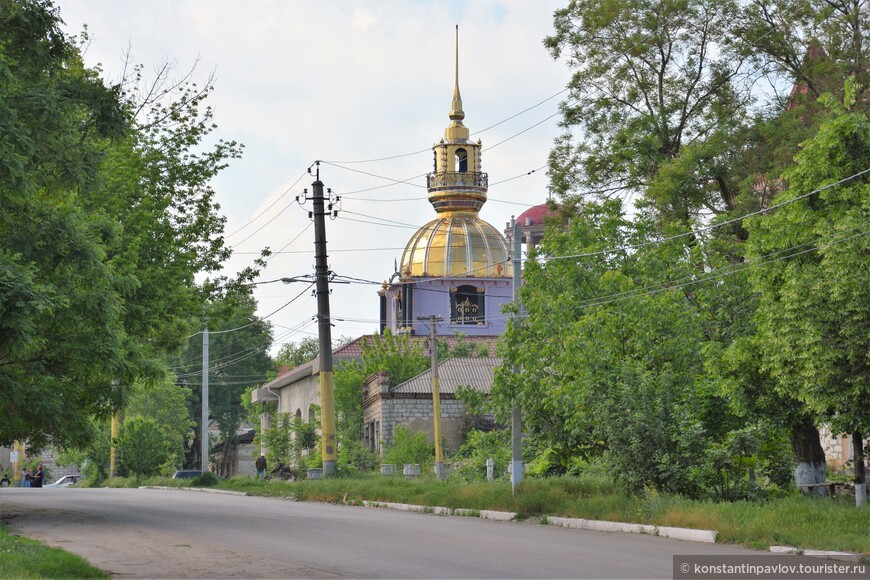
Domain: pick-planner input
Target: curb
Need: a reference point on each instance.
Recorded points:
(444, 511)
(205, 489)
(691, 535)
(704, 536)
(829, 554)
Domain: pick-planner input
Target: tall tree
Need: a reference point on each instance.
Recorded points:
(811, 45)
(106, 215)
(239, 342)
(814, 316)
(292, 354)
(166, 404)
(142, 447)
(652, 81)
(62, 337)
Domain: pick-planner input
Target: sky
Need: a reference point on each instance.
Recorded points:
(345, 82)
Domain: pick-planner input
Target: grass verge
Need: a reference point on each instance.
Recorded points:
(25, 558)
(794, 520)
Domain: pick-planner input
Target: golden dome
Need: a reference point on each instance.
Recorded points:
(457, 245)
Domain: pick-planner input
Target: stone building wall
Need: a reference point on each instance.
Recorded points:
(417, 414)
(838, 447)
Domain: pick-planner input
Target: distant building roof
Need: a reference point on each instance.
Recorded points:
(535, 215)
(473, 372)
(353, 349)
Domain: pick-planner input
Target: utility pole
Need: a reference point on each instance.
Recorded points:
(18, 456)
(516, 423)
(113, 450)
(115, 431)
(321, 277)
(436, 392)
(204, 434)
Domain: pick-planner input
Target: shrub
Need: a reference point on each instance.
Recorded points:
(409, 447)
(207, 479)
(470, 460)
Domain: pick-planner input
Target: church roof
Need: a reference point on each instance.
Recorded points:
(458, 243)
(463, 246)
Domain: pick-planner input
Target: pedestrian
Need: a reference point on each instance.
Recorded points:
(39, 477)
(5, 481)
(261, 466)
(26, 478)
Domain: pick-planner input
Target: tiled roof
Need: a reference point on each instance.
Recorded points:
(535, 215)
(353, 349)
(474, 372)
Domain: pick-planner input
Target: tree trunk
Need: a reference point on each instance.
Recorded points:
(860, 472)
(191, 454)
(229, 448)
(809, 453)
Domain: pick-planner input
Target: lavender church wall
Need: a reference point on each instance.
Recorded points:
(433, 297)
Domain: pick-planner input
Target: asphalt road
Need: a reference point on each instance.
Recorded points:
(135, 533)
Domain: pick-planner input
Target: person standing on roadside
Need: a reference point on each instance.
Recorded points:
(261, 466)
(39, 477)
(26, 478)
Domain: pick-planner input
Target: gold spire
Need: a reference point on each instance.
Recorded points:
(456, 113)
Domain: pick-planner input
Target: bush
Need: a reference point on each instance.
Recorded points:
(207, 479)
(354, 457)
(469, 463)
(410, 447)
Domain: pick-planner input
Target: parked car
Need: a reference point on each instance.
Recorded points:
(186, 474)
(65, 481)
(190, 474)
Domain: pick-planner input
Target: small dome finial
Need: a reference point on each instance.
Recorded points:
(456, 113)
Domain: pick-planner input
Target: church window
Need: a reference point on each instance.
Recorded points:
(461, 160)
(400, 312)
(467, 305)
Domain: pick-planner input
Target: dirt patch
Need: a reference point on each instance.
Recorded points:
(133, 552)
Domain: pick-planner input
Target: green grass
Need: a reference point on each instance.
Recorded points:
(25, 558)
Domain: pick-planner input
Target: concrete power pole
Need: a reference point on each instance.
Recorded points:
(516, 423)
(321, 276)
(436, 393)
(204, 432)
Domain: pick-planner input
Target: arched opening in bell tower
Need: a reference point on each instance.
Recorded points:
(461, 160)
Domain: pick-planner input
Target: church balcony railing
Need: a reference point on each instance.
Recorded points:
(457, 179)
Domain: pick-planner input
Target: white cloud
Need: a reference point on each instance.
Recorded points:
(346, 80)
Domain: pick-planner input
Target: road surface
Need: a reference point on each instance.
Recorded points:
(139, 533)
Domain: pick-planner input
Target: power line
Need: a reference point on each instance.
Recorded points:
(243, 354)
(710, 227)
(382, 219)
(332, 250)
(668, 285)
(285, 246)
(515, 115)
(377, 223)
(286, 191)
(259, 319)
